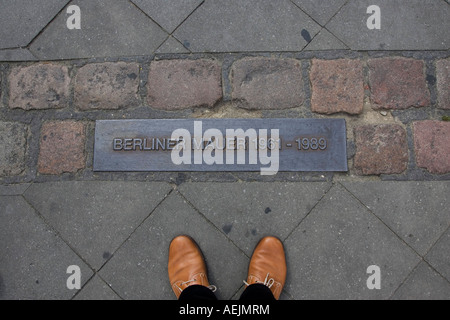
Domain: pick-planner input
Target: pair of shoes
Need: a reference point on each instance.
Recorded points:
(187, 267)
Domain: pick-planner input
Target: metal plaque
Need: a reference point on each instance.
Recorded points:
(265, 145)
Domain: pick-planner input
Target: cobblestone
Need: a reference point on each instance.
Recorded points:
(267, 83)
(380, 149)
(107, 86)
(398, 83)
(13, 141)
(337, 86)
(62, 147)
(182, 84)
(39, 86)
(443, 83)
(432, 145)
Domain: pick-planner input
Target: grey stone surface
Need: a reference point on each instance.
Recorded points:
(267, 83)
(416, 211)
(324, 40)
(109, 28)
(96, 217)
(171, 45)
(168, 14)
(443, 83)
(13, 189)
(22, 20)
(96, 289)
(320, 10)
(33, 259)
(424, 284)
(329, 252)
(330, 237)
(405, 25)
(257, 210)
(253, 25)
(113, 28)
(138, 269)
(13, 141)
(439, 256)
(16, 55)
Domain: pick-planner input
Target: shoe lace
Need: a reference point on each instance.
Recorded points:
(267, 281)
(213, 288)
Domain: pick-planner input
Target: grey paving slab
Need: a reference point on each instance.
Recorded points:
(109, 28)
(439, 255)
(33, 259)
(96, 289)
(22, 20)
(405, 25)
(320, 10)
(324, 40)
(246, 212)
(168, 14)
(16, 55)
(424, 284)
(172, 46)
(13, 189)
(330, 251)
(138, 270)
(416, 211)
(96, 217)
(253, 25)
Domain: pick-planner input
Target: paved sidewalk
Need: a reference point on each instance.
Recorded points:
(117, 28)
(191, 59)
(118, 233)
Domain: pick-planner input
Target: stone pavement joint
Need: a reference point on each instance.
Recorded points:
(168, 14)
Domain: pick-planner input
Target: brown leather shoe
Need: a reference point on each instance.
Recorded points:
(186, 265)
(268, 265)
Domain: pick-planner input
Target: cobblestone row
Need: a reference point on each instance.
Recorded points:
(395, 107)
